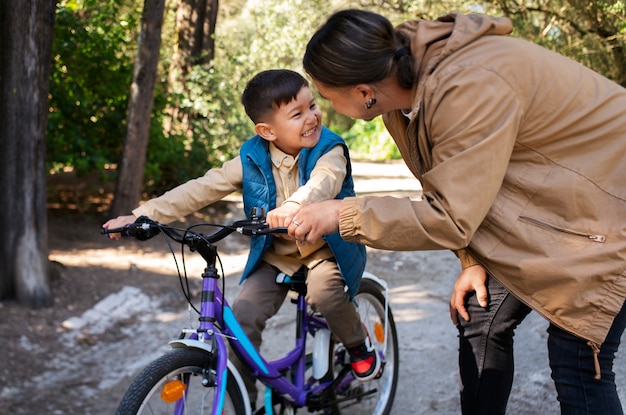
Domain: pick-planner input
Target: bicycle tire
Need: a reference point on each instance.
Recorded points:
(376, 395)
(144, 394)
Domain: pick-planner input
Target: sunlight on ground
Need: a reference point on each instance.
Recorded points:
(153, 262)
(412, 294)
(411, 303)
(168, 317)
(410, 315)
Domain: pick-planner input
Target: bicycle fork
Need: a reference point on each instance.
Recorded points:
(208, 339)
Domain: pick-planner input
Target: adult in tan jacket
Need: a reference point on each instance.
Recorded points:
(522, 157)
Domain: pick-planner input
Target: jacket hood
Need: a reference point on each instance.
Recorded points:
(434, 40)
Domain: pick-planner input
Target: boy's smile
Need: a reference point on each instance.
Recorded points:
(295, 125)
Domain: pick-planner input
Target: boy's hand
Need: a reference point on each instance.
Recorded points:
(472, 279)
(282, 216)
(118, 223)
(316, 220)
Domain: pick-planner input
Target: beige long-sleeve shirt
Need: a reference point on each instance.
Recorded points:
(324, 183)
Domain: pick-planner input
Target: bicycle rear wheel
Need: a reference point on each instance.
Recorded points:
(375, 396)
(176, 379)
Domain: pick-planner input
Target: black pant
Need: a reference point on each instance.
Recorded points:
(486, 360)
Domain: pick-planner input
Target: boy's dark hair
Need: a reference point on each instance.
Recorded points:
(270, 89)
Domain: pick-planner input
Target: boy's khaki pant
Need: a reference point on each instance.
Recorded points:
(260, 297)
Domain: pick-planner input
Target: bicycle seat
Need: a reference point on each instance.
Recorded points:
(296, 282)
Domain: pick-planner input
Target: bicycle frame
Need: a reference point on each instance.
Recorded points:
(216, 312)
(285, 377)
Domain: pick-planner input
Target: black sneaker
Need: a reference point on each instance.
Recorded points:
(364, 361)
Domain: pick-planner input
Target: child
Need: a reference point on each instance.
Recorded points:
(291, 162)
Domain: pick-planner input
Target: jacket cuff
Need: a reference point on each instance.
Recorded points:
(347, 216)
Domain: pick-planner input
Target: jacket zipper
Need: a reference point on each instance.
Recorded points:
(592, 237)
(595, 347)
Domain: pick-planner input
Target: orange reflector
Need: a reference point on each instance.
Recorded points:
(379, 332)
(173, 391)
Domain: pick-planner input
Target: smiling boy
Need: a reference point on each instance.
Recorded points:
(293, 161)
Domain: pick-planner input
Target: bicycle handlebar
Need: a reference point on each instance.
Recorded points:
(145, 228)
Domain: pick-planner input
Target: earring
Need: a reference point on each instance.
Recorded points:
(370, 103)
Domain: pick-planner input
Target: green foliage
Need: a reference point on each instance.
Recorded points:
(223, 124)
(592, 33)
(96, 40)
(370, 140)
(255, 38)
(218, 128)
(90, 78)
(166, 155)
(93, 57)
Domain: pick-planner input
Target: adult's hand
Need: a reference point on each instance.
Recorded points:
(315, 220)
(472, 279)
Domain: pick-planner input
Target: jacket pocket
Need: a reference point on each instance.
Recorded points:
(571, 232)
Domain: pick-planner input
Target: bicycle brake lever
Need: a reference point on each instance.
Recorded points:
(248, 230)
(267, 231)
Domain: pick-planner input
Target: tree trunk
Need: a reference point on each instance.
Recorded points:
(202, 47)
(195, 30)
(25, 54)
(131, 169)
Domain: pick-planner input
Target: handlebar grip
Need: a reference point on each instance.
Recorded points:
(123, 230)
(143, 229)
(264, 231)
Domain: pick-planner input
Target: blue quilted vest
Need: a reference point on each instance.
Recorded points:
(259, 190)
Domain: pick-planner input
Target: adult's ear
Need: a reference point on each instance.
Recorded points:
(365, 91)
(265, 131)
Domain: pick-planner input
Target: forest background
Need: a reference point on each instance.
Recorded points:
(197, 121)
(95, 69)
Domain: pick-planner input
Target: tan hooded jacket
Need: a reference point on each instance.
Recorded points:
(522, 157)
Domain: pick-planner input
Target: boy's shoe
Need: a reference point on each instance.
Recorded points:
(364, 361)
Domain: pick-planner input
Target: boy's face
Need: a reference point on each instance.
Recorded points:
(295, 125)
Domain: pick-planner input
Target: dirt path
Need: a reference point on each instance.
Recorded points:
(117, 305)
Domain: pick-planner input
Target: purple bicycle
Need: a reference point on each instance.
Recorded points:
(196, 376)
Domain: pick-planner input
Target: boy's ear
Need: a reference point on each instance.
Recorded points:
(265, 131)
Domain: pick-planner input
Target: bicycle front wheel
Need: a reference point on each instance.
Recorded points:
(172, 384)
(375, 396)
